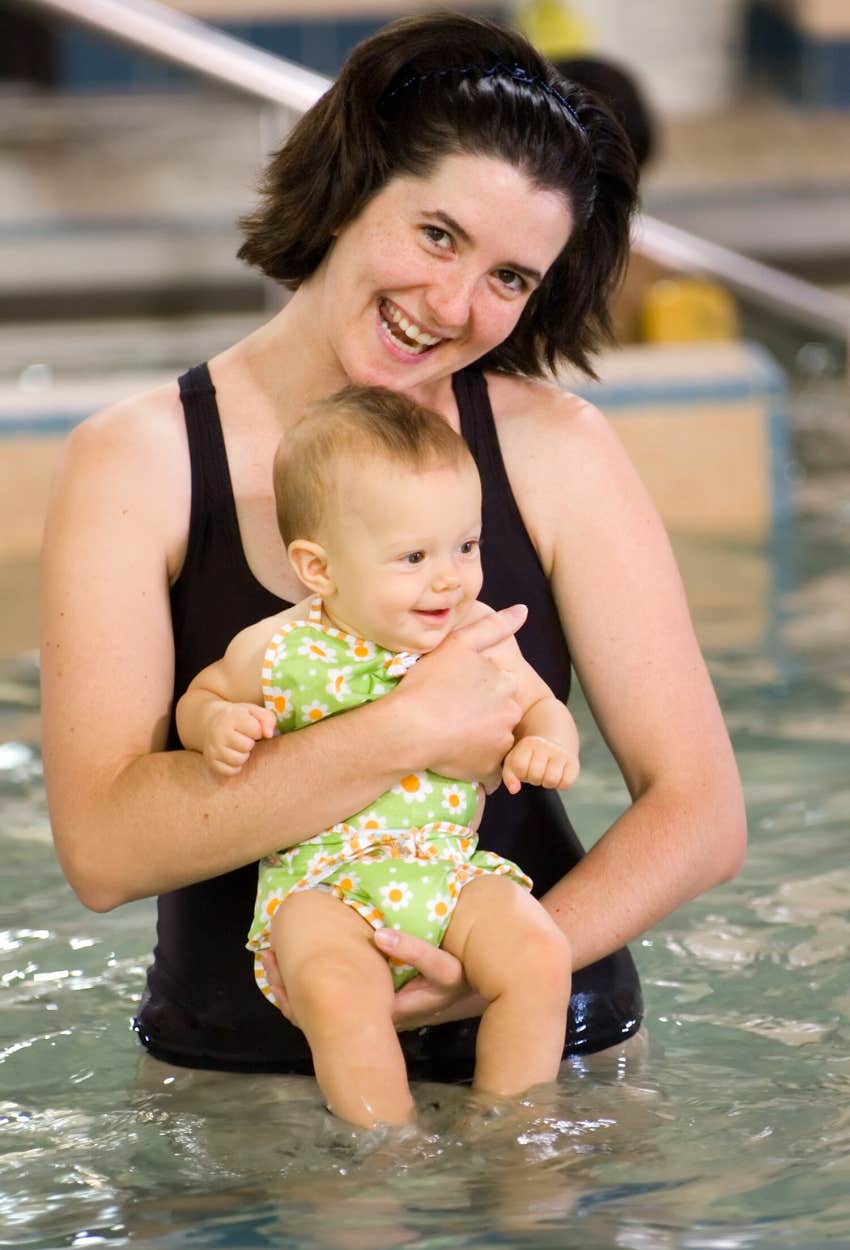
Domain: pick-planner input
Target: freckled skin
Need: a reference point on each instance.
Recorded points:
(463, 290)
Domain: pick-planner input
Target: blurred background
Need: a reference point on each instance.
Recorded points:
(125, 161)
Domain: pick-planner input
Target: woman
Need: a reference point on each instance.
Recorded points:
(451, 218)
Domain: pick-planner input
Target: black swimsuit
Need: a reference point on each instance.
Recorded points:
(201, 1007)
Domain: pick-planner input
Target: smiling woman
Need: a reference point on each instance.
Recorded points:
(445, 263)
(451, 218)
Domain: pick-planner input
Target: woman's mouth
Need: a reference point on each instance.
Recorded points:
(403, 333)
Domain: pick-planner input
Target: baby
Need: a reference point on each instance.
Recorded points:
(379, 506)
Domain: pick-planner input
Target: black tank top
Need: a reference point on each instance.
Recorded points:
(201, 1007)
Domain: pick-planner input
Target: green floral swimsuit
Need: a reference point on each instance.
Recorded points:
(403, 860)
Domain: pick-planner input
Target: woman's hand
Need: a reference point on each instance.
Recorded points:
(437, 995)
(460, 707)
(270, 966)
(440, 992)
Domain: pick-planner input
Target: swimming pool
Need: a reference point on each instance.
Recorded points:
(727, 1126)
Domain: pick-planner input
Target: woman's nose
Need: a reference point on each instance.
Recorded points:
(450, 300)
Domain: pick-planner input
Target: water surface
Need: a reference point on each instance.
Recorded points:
(727, 1125)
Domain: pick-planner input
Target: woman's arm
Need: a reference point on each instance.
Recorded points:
(624, 612)
(130, 819)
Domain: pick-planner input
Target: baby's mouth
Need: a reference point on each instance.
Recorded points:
(406, 334)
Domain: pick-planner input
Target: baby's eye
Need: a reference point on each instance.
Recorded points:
(469, 547)
(512, 280)
(414, 557)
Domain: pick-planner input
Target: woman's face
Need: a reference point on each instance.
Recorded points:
(436, 270)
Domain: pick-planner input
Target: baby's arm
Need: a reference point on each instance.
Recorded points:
(546, 747)
(545, 750)
(222, 714)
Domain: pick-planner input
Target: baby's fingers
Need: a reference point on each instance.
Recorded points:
(535, 761)
(247, 723)
(509, 777)
(228, 758)
(222, 768)
(267, 722)
(569, 773)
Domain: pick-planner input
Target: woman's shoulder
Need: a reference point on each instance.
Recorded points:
(536, 408)
(152, 419)
(548, 433)
(130, 461)
(565, 462)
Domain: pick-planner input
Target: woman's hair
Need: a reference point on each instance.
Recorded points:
(424, 88)
(354, 424)
(622, 94)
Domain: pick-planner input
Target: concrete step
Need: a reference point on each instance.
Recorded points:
(40, 361)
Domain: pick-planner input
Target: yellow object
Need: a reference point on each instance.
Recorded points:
(554, 28)
(688, 310)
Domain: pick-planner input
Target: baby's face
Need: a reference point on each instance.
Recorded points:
(403, 552)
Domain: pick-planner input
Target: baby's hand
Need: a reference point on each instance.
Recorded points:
(232, 731)
(540, 762)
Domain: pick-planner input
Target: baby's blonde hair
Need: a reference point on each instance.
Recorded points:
(354, 424)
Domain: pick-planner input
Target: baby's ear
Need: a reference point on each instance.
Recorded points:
(310, 562)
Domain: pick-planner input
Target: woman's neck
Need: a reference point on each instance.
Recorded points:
(285, 364)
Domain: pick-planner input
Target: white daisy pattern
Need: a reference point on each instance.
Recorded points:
(280, 702)
(396, 895)
(413, 787)
(439, 909)
(372, 821)
(337, 684)
(317, 649)
(353, 843)
(347, 883)
(361, 649)
(314, 711)
(454, 800)
(319, 864)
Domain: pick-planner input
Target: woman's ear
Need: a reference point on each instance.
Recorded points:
(310, 562)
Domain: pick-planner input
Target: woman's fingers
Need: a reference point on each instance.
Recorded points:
(439, 968)
(272, 971)
(493, 628)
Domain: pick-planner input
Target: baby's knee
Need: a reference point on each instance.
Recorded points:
(543, 964)
(340, 980)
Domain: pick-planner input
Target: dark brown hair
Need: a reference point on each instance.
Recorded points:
(355, 423)
(428, 87)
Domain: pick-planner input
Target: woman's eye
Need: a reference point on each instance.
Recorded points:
(414, 557)
(512, 280)
(438, 236)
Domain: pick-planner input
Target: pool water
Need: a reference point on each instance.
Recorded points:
(726, 1124)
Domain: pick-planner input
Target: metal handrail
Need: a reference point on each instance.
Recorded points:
(688, 253)
(184, 41)
(210, 53)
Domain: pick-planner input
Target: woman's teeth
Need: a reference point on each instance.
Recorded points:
(415, 340)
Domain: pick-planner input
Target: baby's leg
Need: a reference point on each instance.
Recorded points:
(515, 956)
(341, 991)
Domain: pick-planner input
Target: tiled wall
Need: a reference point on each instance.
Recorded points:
(802, 48)
(86, 61)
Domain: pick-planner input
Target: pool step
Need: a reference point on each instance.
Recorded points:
(37, 357)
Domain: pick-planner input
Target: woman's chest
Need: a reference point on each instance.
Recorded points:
(250, 461)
